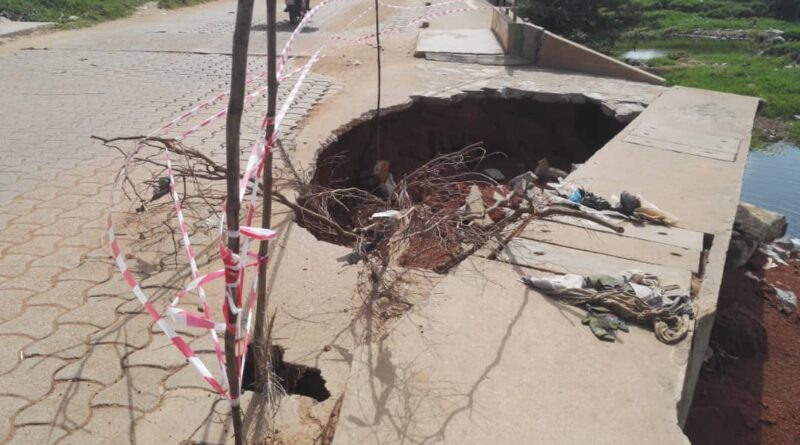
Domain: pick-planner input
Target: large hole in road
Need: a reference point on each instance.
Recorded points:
(524, 130)
(516, 133)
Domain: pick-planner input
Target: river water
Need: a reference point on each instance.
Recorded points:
(643, 55)
(772, 181)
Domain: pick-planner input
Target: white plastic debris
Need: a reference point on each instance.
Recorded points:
(391, 214)
(557, 282)
(771, 252)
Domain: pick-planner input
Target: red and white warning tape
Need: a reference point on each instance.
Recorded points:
(234, 271)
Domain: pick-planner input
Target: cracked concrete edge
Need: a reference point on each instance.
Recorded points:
(623, 111)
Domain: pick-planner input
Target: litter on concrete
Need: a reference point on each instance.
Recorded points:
(626, 206)
(634, 296)
(603, 323)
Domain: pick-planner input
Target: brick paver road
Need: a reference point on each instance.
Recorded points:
(79, 362)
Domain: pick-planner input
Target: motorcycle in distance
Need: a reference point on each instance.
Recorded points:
(296, 9)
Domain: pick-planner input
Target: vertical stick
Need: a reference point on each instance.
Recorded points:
(241, 42)
(378, 107)
(260, 336)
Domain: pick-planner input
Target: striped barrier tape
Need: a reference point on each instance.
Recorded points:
(182, 346)
(234, 268)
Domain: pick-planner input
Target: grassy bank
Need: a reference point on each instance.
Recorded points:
(78, 12)
(693, 36)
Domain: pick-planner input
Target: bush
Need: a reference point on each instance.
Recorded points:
(598, 22)
(60, 10)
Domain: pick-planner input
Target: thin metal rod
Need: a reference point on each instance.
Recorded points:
(378, 106)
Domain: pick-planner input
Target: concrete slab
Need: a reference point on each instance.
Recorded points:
(476, 18)
(457, 41)
(673, 236)
(561, 260)
(701, 191)
(486, 360)
(478, 59)
(16, 29)
(613, 244)
(690, 142)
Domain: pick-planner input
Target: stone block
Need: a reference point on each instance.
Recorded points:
(758, 223)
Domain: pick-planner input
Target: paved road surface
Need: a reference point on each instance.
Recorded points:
(69, 370)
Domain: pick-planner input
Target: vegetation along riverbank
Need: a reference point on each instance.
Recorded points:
(749, 47)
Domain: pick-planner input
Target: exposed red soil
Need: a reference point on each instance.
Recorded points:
(434, 250)
(756, 399)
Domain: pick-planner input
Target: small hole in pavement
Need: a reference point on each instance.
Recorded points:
(294, 378)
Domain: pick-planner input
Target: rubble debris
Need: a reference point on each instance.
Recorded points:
(790, 244)
(495, 174)
(758, 223)
(523, 182)
(787, 300)
(547, 173)
(383, 178)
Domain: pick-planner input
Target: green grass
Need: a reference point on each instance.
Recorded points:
(764, 77)
(734, 67)
(793, 134)
(663, 22)
(87, 11)
(172, 4)
(755, 67)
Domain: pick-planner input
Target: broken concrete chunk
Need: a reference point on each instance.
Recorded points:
(521, 183)
(788, 300)
(760, 224)
(495, 174)
(475, 201)
(548, 173)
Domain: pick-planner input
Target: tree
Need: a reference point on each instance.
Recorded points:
(597, 23)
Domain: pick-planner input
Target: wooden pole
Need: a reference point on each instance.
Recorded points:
(241, 43)
(260, 336)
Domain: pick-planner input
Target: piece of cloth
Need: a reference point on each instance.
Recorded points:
(523, 182)
(603, 282)
(553, 283)
(669, 315)
(603, 323)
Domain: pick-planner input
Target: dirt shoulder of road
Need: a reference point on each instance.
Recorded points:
(754, 399)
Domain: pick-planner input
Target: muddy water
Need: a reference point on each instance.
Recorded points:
(772, 181)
